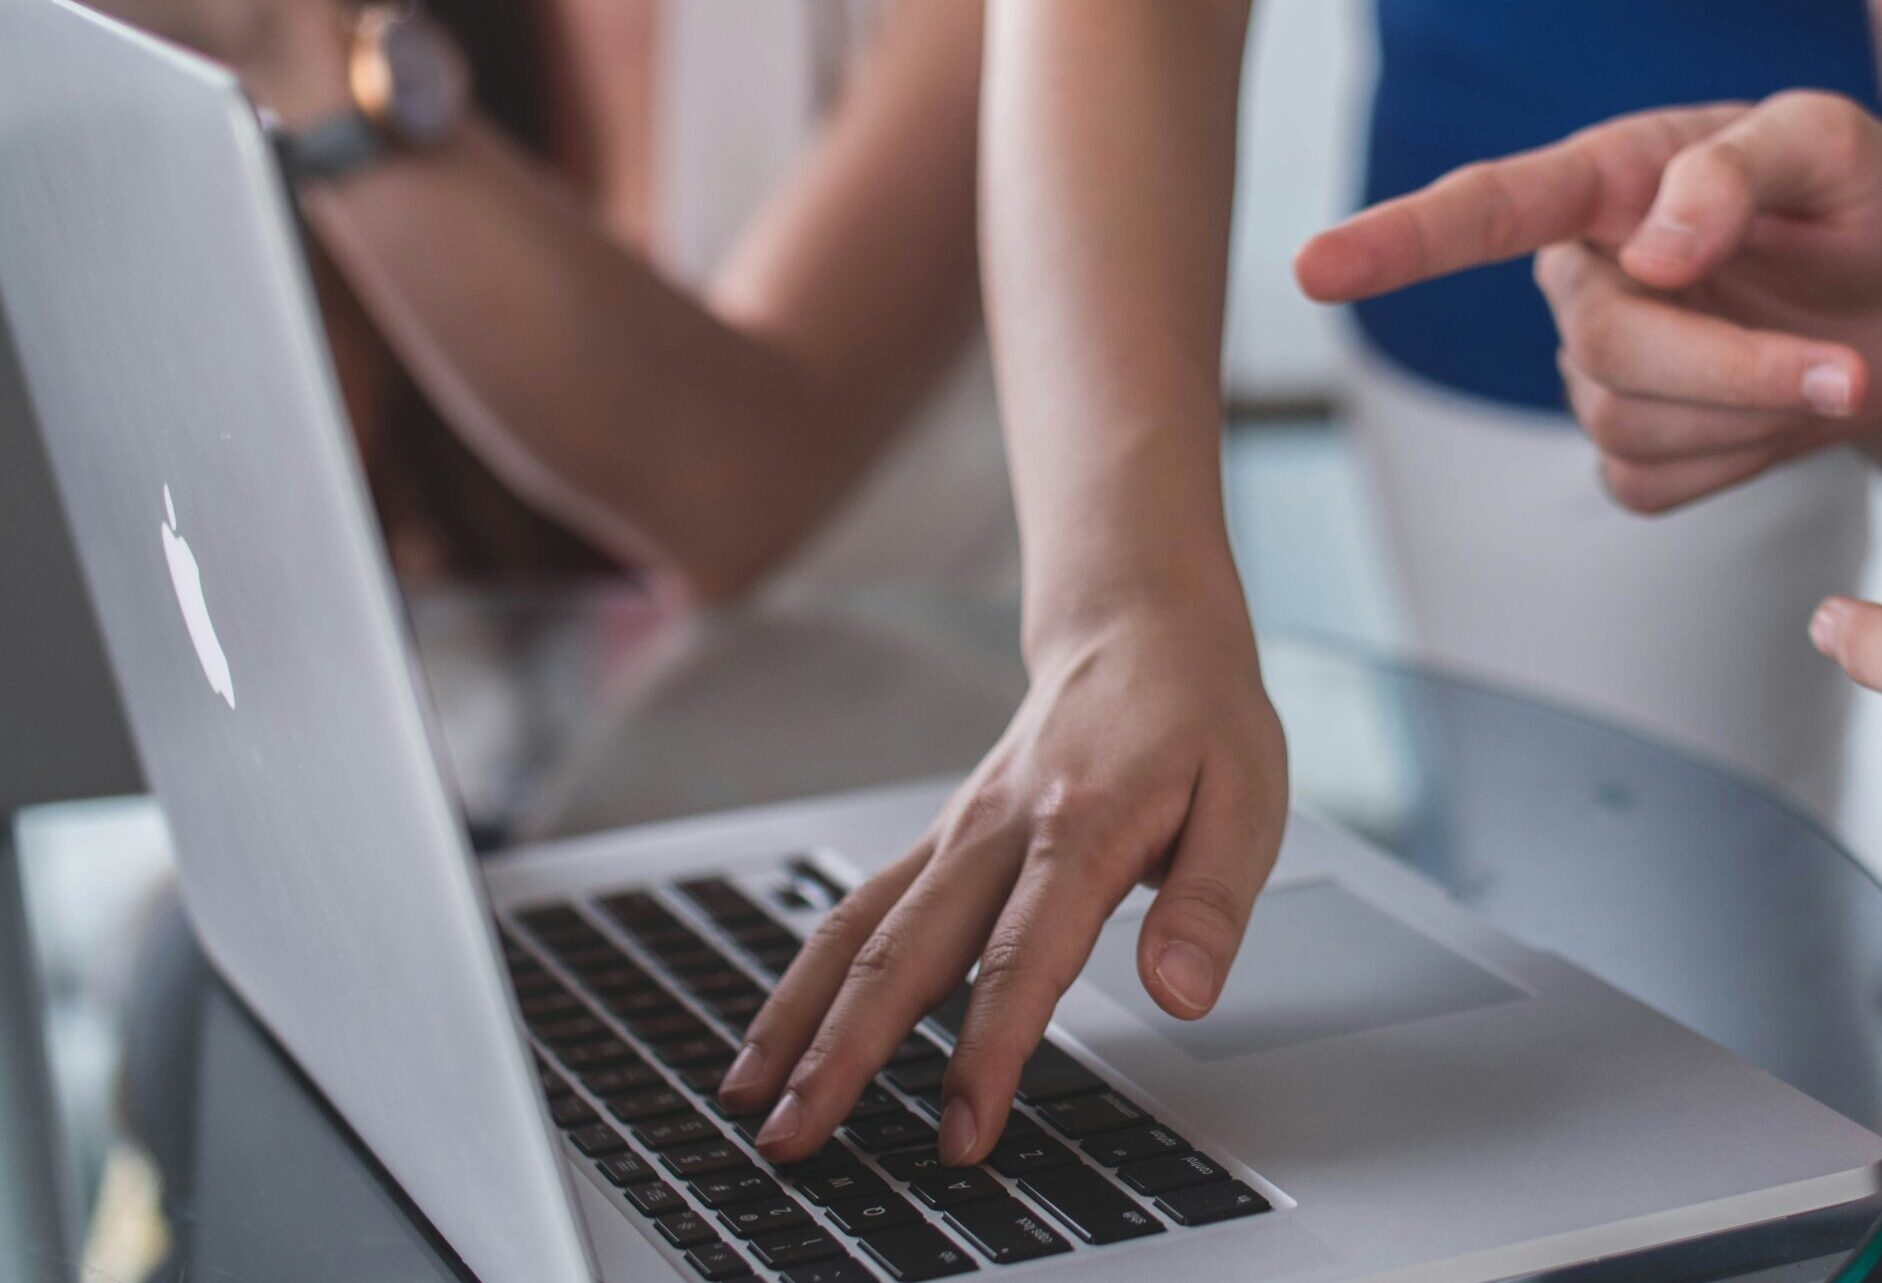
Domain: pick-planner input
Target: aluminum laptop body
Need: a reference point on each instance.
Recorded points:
(1389, 1090)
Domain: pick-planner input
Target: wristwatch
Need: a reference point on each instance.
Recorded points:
(410, 89)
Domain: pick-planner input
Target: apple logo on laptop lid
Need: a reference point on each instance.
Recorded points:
(187, 577)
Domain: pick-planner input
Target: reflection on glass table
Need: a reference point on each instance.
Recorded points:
(1690, 889)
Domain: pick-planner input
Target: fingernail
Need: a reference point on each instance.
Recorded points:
(1826, 628)
(1188, 974)
(1668, 242)
(1828, 390)
(783, 1123)
(957, 1131)
(744, 1070)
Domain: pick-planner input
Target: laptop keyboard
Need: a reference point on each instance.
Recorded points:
(636, 1002)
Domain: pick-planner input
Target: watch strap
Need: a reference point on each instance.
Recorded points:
(332, 148)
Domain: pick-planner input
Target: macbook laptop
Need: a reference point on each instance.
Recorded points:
(1390, 1089)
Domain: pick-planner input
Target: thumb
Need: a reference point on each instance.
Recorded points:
(1191, 933)
(1850, 632)
(1795, 153)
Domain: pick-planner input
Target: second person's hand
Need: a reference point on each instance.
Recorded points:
(1145, 751)
(1715, 272)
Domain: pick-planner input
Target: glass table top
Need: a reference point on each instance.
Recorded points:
(165, 1137)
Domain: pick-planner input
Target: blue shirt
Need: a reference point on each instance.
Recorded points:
(1466, 80)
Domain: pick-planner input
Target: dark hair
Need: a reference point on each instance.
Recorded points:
(505, 43)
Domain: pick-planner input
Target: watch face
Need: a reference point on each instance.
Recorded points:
(429, 84)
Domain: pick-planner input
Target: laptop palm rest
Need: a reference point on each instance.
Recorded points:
(1318, 962)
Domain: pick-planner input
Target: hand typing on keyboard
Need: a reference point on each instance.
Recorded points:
(1148, 752)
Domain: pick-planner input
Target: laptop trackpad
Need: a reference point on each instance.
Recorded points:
(1318, 962)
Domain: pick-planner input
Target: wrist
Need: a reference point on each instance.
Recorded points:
(1198, 590)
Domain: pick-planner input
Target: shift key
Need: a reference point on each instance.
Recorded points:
(1090, 1206)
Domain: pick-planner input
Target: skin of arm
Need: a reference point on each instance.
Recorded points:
(1146, 749)
(702, 440)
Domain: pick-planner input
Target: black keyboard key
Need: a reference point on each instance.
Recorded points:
(828, 1161)
(737, 1009)
(572, 1031)
(685, 1229)
(795, 1247)
(597, 1140)
(777, 958)
(693, 962)
(1090, 1206)
(690, 1162)
(1207, 1204)
(716, 980)
(884, 1132)
(706, 1076)
(547, 921)
(668, 1026)
(597, 959)
(859, 1216)
(1019, 1125)
(723, 902)
(838, 1269)
(1090, 1114)
(681, 1129)
(626, 1168)
(1051, 1073)
(572, 1112)
(738, 1185)
(909, 1164)
(928, 1104)
(918, 1076)
(1006, 1231)
(550, 1007)
(596, 1055)
(654, 1198)
(691, 1051)
(739, 1121)
(765, 1216)
(918, 1252)
(1152, 1140)
(637, 909)
(534, 982)
(641, 1004)
(653, 1102)
(761, 935)
(717, 1261)
(874, 1100)
(951, 1186)
(620, 1079)
(673, 941)
(1018, 1156)
(1178, 1171)
(620, 979)
(915, 1047)
(841, 1186)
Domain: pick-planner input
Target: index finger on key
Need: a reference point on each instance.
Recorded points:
(1034, 953)
(788, 1021)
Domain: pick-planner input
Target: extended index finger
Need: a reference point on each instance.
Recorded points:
(1602, 178)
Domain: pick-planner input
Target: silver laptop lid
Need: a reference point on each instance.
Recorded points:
(165, 327)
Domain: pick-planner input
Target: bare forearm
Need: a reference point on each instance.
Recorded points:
(643, 414)
(591, 385)
(863, 267)
(1109, 151)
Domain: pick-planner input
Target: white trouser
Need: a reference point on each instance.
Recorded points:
(1517, 566)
